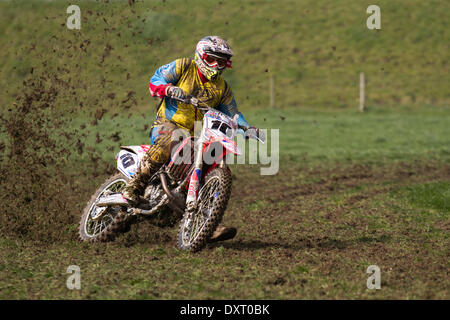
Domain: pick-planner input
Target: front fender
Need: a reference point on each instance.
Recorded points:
(230, 145)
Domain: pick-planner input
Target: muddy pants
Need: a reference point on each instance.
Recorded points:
(163, 136)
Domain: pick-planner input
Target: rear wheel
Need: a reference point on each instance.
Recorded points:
(197, 226)
(104, 223)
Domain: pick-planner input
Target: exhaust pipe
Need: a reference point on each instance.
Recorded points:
(174, 202)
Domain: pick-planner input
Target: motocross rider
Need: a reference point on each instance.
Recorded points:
(202, 79)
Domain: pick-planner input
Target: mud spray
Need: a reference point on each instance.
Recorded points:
(47, 172)
(36, 190)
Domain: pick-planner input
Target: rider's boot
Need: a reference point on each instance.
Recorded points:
(156, 156)
(223, 233)
(136, 186)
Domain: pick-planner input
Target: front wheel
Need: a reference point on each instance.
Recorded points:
(197, 226)
(103, 223)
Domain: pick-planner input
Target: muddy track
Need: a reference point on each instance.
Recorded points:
(294, 182)
(309, 232)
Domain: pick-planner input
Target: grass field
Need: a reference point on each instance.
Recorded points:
(353, 189)
(312, 136)
(309, 232)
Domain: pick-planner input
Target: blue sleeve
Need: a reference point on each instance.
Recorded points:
(231, 110)
(165, 74)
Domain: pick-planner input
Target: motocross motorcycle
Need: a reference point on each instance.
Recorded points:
(195, 185)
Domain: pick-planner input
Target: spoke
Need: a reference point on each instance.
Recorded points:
(93, 228)
(198, 225)
(89, 226)
(103, 223)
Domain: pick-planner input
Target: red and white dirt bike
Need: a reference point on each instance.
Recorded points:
(195, 186)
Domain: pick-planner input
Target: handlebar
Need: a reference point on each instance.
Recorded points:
(205, 108)
(258, 135)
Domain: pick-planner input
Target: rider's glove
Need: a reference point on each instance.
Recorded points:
(254, 133)
(175, 92)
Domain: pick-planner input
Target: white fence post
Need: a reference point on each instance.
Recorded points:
(362, 91)
(272, 92)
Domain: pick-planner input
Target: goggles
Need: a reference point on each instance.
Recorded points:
(214, 61)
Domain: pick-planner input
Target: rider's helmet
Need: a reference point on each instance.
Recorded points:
(212, 56)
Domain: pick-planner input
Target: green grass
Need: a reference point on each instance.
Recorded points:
(431, 196)
(313, 136)
(314, 49)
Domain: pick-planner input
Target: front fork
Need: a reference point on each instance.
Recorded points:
(194, 182)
